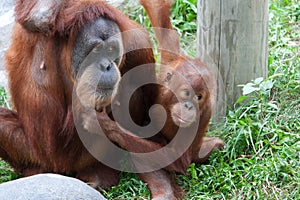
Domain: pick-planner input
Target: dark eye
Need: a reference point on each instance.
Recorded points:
(198, 97)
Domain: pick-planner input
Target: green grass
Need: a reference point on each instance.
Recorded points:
(261, 159)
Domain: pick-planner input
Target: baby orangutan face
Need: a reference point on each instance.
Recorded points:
(184, 94)
(185, 111)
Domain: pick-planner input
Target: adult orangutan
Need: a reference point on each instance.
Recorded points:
(59, 47)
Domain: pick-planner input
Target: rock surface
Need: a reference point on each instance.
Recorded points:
(6, 25)
(48, 187)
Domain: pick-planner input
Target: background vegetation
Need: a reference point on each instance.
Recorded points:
(262, 132)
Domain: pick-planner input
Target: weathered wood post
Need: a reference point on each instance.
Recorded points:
(232, 36)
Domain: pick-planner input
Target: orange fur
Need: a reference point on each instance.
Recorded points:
(40, 135)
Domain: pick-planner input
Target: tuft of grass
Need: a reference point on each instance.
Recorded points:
(130, 187)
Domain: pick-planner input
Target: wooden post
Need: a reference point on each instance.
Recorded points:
(232, 37)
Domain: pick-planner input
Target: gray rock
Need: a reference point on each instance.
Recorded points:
(6, 5)
(6, 25)
(48, 187)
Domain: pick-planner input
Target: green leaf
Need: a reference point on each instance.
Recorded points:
(249, 88)
(258, 80)
(241, 98)
(193, 171)
(266, 85)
